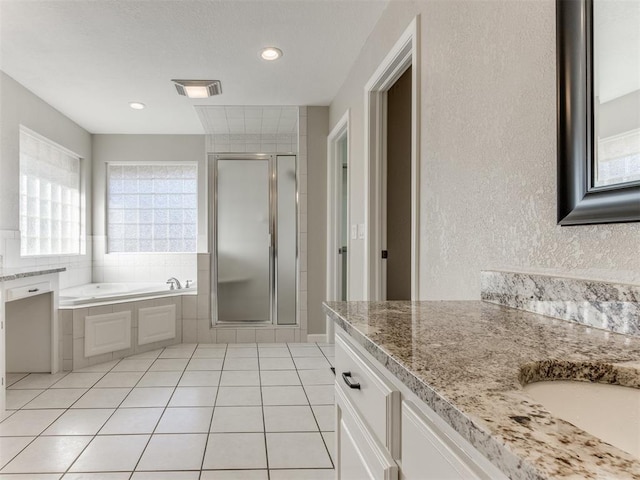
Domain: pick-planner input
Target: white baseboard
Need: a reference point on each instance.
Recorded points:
(317, 338)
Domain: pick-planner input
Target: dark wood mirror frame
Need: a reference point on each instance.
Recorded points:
(579, 202)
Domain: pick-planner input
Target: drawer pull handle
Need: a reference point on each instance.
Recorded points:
(33, 290)
(346, 376)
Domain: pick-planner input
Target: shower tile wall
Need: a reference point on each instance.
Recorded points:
(196, 313)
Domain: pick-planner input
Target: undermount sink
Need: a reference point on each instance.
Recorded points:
(609, 412)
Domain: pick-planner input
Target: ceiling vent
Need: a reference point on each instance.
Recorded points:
(198, 88)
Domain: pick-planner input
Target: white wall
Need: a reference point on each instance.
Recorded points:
(150, 267)
(317, 132)
(18, 106)
(488, 149)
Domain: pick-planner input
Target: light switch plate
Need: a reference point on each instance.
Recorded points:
(354, 232)
(361, 231)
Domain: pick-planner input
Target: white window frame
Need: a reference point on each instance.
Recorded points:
(81, 246)
(147, 163)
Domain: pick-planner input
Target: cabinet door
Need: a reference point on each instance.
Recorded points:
(360, 456)
(429, 454)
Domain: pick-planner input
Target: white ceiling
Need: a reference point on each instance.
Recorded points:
(89, 59)
(248, 120)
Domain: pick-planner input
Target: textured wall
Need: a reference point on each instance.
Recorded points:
(488, 149)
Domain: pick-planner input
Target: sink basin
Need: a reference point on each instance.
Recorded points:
(609, 412)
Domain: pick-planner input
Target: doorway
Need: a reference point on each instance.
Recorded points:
(338, 249)
(254, 266)
(392, 173)
(396, 192)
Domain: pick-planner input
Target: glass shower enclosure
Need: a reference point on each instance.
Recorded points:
(255, 253)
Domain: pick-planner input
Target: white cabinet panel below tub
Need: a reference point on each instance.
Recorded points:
(156, 324)
(106, 333)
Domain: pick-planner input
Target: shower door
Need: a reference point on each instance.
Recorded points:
(243, 240)
(254, 274)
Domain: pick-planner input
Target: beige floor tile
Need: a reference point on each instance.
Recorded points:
(79, 380)
(276, 352)
(317, 377)
(148, 397)
(185, 420)
(28, 422)
(279, 378)
(231, 378)
(218, 353)
(111, 453)
(80, 422)
(205, 364)
(306, 474)
(238, 396)
(100, 367)
(133, 365)
(297, 352)
(284, 396)
(297, 450)
(19, 398)
(102, 398)
(119, 379)
(320, 394)
(289, 419)
(241, 352)
(48, 455)
(38, 381)
(240, 363)
(325, 416)
(194, 397)
(128, 421)
(173, 452)
(97, 476)
(160, 379)
(311, 363)
(200, 379)
(11, 446)
(276, 364)
(166, 475)
(51, 398)
(235, 475)
(237, 420)
(330, 442)
(169, 365)
(232, 451)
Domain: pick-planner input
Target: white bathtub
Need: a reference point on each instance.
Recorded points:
(109, 292)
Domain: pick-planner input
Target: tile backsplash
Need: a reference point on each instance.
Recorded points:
(598, 304)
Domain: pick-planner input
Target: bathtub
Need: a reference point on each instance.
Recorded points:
(112, 292)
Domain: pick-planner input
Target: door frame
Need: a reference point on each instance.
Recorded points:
(334, 201)
(405, 53)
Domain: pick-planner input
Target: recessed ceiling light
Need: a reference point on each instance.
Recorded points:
(271, 53)
(198, 88)
(137, 105)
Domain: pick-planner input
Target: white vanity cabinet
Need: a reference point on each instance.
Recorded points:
(385, 432)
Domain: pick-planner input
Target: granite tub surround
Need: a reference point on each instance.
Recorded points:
(469, 360)
(610, 306)
(7, 274)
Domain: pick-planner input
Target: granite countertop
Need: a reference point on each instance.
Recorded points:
(469, 360)
(7, 274)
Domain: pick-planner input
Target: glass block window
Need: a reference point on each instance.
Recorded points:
(49, 198)
(151, 208)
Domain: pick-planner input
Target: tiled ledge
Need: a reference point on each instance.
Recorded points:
(598, 304)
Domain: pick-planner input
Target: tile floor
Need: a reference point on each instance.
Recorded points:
(186, 412)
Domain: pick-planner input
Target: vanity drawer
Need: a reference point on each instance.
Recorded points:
(360, 456)
(428, 453)
(28, 291)
(371, 394)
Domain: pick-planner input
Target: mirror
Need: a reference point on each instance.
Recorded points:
(598, 111)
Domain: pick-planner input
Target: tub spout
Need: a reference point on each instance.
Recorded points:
(174, 282)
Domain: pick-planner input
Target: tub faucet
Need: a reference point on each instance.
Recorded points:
(174, 283)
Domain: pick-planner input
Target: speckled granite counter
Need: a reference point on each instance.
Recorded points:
(468, 362)
(15, 273)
